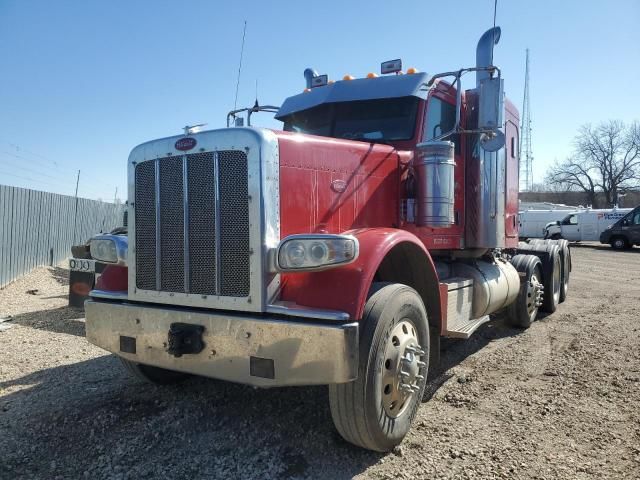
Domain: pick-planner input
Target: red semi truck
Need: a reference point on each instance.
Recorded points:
(337, 251)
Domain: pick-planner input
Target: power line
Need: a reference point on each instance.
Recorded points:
(39, 162)
(27, 169)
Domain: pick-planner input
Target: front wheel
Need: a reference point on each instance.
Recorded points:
(376, 410)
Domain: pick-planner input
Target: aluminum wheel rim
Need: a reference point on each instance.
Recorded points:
(402, 369)
(534, 295)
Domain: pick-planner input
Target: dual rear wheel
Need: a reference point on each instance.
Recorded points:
(544, 267)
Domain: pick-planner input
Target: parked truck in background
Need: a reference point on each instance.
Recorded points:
(337, 251)
(625, 233)
(584, 225)
(533, 223)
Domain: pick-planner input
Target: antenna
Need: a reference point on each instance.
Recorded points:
(493, 43)
(526, 163)
(244, 32)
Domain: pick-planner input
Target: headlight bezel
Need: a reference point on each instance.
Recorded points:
(333, 254)
(120, 246)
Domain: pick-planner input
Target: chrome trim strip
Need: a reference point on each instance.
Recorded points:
(158, 246)
(301, 353)
(185, 222)
(218, 257)
(294, 310)
(110, 295)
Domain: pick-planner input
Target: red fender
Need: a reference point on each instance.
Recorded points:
(346, 288)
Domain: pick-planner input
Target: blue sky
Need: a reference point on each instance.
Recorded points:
(83, 82)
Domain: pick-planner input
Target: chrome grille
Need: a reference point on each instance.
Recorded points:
(192, 224)
(234, 234)
(171, 226)
(202, 227)
(145, 205)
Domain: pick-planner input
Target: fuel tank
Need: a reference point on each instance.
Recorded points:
(495, 284)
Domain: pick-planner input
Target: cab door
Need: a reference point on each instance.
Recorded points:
(634, 228)
(571, 228)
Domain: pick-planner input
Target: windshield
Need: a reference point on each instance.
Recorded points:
(380, 120)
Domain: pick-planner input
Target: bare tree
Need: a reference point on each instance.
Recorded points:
(606, 158)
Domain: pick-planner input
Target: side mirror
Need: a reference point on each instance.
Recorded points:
(490, 108)
(491, 104)
(625, 222)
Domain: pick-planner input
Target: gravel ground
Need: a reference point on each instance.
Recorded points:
(559, 400)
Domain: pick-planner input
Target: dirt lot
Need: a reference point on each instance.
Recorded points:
(560, 400)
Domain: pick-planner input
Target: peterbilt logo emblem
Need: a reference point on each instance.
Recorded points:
(186, 143)
(338, 185)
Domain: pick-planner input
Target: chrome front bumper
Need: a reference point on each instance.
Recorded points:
(244, 348)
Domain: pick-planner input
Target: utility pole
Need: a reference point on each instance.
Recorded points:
(525, 153)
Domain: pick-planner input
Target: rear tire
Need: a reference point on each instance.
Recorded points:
(156, 375)
(376, 410)
(524, 310)
(619, 243)
(552, 281)
(551, 270)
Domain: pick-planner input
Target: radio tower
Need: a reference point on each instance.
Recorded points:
(525, 154)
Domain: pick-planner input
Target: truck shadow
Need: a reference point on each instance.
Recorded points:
(90, 416)
(455, 351)
(59, 320)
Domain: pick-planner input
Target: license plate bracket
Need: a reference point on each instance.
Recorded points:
(185, 339)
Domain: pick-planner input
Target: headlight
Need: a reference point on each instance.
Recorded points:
(316, 252)
(109, 248)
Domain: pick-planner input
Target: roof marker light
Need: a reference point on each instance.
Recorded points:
(347, 77)
(391, 66)
(331, 82)
(307, 90)
(371, 75)
(411, 70)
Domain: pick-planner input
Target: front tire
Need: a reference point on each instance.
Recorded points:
(376, 410)
(149, 374)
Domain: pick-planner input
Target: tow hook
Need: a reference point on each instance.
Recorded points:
(185, 339)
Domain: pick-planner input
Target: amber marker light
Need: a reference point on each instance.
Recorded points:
(347, 77)
(371, 75)
(411, 71)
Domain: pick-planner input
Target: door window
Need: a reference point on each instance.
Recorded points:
(570, 220)
(636, 218)
(440, 118)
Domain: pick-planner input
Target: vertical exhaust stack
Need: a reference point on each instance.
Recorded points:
(484, 52)
(309, 75)
(485, 172)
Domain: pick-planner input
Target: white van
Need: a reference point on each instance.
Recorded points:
(533, 222)
(585, 225)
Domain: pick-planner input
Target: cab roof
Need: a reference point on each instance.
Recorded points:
(387, 86)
